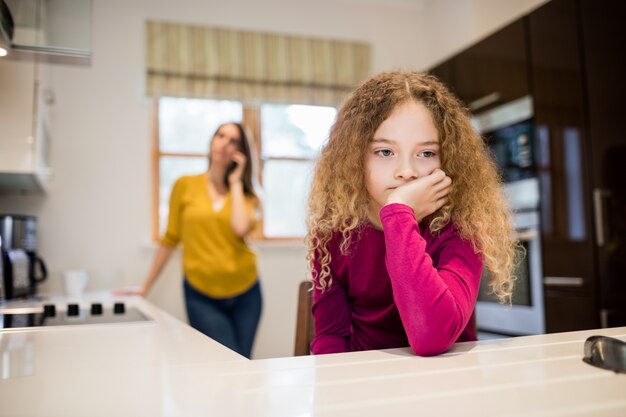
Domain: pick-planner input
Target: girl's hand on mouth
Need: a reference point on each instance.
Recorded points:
(424, 195)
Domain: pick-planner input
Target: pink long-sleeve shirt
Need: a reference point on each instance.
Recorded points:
(422, 295)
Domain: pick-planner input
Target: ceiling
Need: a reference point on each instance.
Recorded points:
(399, 4)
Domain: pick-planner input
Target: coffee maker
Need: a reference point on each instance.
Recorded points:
(20, 266)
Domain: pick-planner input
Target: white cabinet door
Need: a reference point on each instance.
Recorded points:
(17, 95)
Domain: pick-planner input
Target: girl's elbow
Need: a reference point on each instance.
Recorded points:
(429, 348)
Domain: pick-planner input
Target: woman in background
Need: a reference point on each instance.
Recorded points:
(211, 214)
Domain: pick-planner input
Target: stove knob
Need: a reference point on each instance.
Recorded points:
(49, 310)
(96, 309)
(73, 310)
(119, 308)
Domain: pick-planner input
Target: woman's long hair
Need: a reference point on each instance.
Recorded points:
(245, 147)
(339, 201)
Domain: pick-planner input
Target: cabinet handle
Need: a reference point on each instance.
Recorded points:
(598, 211)
(479, 103)
(604, 318)
(598, 217)
(563, 281)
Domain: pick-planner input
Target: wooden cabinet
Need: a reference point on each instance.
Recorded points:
(563, 166)
(603, 32)
(443, 71)
(578, 87)
(568, 54)
(570, 312)
(492, 72)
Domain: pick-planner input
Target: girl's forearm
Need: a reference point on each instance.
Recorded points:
(435, 302)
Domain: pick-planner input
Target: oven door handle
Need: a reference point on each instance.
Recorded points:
(525, 235)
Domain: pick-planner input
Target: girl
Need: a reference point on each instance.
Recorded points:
(211, 214)
(405, 209)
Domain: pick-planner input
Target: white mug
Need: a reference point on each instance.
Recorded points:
(75, 282)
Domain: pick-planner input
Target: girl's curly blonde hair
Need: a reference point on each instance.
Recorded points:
(339, 201)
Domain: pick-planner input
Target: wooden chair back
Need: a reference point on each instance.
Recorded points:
(304, 320)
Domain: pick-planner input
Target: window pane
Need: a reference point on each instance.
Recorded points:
(171, 168)
(187, 125)
(295, 130)
(286, 187)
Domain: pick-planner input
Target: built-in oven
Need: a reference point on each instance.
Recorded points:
(525, 314)
(508, 131)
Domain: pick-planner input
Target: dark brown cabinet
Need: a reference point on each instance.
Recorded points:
(563, 167)
(568, 55)
(443, 71)
(577, 73)
(492, 72)
(603, 32)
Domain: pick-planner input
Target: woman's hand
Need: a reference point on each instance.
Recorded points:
(240, 160)
(425, 195)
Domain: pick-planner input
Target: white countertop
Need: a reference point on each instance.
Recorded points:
(165, 368)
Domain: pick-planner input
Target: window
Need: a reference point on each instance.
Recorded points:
(292, 136)
(288, 138)
(185, 127)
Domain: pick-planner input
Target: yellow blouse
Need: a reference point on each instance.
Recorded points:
(216, 261)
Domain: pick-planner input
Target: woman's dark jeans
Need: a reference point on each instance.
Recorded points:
(230, 321)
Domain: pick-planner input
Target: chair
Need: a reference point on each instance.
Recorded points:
(304, 320)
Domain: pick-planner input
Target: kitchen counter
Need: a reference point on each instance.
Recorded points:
(163, 367)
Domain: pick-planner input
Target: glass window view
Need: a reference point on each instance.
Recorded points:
(186, 125)
(185, 129)
(291, 138)
(294, 130)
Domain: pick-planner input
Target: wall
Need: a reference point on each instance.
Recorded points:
(96, 213)
(449, 26)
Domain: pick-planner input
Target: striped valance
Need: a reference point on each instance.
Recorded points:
(199, 61)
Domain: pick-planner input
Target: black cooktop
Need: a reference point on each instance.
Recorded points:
(71, 314)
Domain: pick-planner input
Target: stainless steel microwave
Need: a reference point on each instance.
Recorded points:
(508, 131)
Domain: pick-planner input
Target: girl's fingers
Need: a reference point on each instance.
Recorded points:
(442, 187)
(439, 178)
(441, 194)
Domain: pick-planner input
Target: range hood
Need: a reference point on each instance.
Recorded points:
(6, 26)
(21, 183)
(51, 30)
